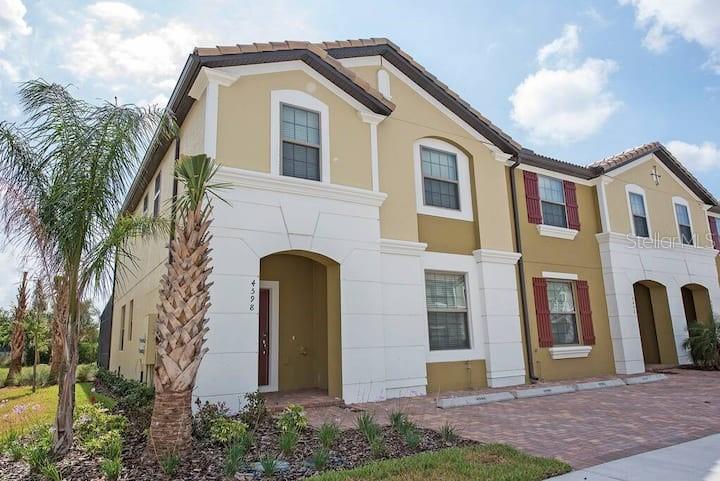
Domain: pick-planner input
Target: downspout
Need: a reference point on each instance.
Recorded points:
(521, 274)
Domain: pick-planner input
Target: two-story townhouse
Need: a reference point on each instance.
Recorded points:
(383, 239)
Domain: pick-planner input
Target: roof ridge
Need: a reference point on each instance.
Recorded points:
(625, 155)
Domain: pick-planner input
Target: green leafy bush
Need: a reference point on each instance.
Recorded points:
(204, 417)
(108, 445)
(131, 395)
(328, 434)
(37, 449)
(111, 468)
(288, 441)
(88, 352)
(704, 344)
(294, 418)
(92, 421)
(254, 410)
(227, 431)
(86, 372)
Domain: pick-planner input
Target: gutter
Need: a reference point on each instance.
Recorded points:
(521, 274)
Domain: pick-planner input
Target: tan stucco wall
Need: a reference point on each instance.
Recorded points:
(580, 256)
(243, 139)
(659, 202)
(448, 235)
(656, 332)
(455, 376)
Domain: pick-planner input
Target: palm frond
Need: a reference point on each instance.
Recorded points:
(196, 172)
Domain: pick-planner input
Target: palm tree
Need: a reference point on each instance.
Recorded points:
(73, 162)
(184, 301)
(36, 327)
(17, 341)
(57, 328)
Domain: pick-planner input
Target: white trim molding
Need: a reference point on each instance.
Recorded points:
(373, 120)
(464, 188)
(497, 257)
(602, 199)
(402, 247)
(383, 78)
(274, 288)
(636, 189)
(557, 232)
(567, 276)
(208, 82)
(569, 352)
(303, 100)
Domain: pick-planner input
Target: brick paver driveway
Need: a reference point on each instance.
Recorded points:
(581, 428)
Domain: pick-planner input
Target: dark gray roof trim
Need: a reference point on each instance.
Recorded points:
(528, 157)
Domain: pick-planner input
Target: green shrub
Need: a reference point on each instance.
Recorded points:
(226, 431)
(411, 437)
(269, 465)
(26, 375)
(86, 372)
(288, 441)
(51, 472)
(108, 445)
(169, 463)
(37, 450)
(377, 446)
(87, 352)
(204, 417)
(255, 410)
(233, 460)
(111, 468)
(368, 427)
(320, 458)
(398, 419)
(328, 434)
(92, 421)
(448, 433)
(293, 418)
(130, 395)
(704, 344)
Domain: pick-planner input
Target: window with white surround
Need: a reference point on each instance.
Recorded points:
(122, 328)
(156, 198)
(682, 217)
(145, 205)
(563, 318)
(552, 201)
(637, 207)
(300, 133)
(447, 308)
(442, 180)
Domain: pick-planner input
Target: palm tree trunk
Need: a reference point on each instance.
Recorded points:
(60, 311)
(63, 436)
(180, 332)
(17, 342)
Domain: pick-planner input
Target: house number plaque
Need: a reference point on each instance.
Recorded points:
(254, 287)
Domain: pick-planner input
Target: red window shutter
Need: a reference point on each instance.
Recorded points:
(586, 322)
(571, 206)
(542, 312)
(714, 232)
(532, 197)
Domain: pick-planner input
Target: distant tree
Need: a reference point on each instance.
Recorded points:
(37, 327)
(17, 341)
(5, 329)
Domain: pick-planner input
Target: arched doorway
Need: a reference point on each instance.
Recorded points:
(299, 320)
(656, 330)
(696, 302)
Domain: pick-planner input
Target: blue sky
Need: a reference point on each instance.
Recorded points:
(577, 80)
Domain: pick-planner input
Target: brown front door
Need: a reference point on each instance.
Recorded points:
(264, 341)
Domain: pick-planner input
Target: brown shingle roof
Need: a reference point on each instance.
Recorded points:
(625, 156)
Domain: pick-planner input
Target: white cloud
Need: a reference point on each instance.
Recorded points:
(8, 70)
(116, 14)
(698, 158)
(695, 21)
(12, 20)
(569, 102)
(563, 48)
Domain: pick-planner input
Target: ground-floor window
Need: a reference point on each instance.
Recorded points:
(563, 319)
(447, 310)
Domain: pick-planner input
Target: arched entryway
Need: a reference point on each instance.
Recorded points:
(299, 339)
(696, 302)
(656, 330)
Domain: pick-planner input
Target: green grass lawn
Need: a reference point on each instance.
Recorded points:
(490, 462)
(20, 409)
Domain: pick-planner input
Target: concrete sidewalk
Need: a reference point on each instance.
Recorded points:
(697, 460)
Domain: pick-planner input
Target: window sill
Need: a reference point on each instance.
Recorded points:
(457, 214)
(557, 232)
(570, 352)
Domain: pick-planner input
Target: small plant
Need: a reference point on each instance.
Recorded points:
(320, 458)
(398, 419)
(448, 433)
(368, 426)
(703, 342)
(111, 468)
(37, 455)
(294, 418)
(169, 463)
(108, 444)
(92, 421)
(328, 433)
(269, 465)
(255, 410)
(51, 472)
(227, 431)
(204, 417)
(377, 446)
(86, 372)
(16, 451)
(233, 460)
(245, 441)
(288, 441)
(412, 437)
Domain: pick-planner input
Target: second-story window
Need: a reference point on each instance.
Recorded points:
(639, 216)
(300, 133)
(145, 205)
(440, 178)
(684, 226)
(156, 198)
(552, 201)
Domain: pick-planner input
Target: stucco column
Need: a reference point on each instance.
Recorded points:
(504, 363)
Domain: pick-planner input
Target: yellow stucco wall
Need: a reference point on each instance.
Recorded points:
(455, 376)
(581, 257)
(661, 211)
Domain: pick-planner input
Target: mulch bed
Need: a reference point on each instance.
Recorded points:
(205, 463)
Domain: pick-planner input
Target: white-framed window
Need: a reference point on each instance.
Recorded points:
(122, 328)
(552, 201)
(447, 310)
(442, 180)
(682, 220)
(130, 320)
(156, 197)
(299, 136)
(637, 207)
(563, 316)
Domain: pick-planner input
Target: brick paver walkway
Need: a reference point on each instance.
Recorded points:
(582, 428)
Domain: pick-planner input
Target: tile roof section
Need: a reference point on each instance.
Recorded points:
(628, 155)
